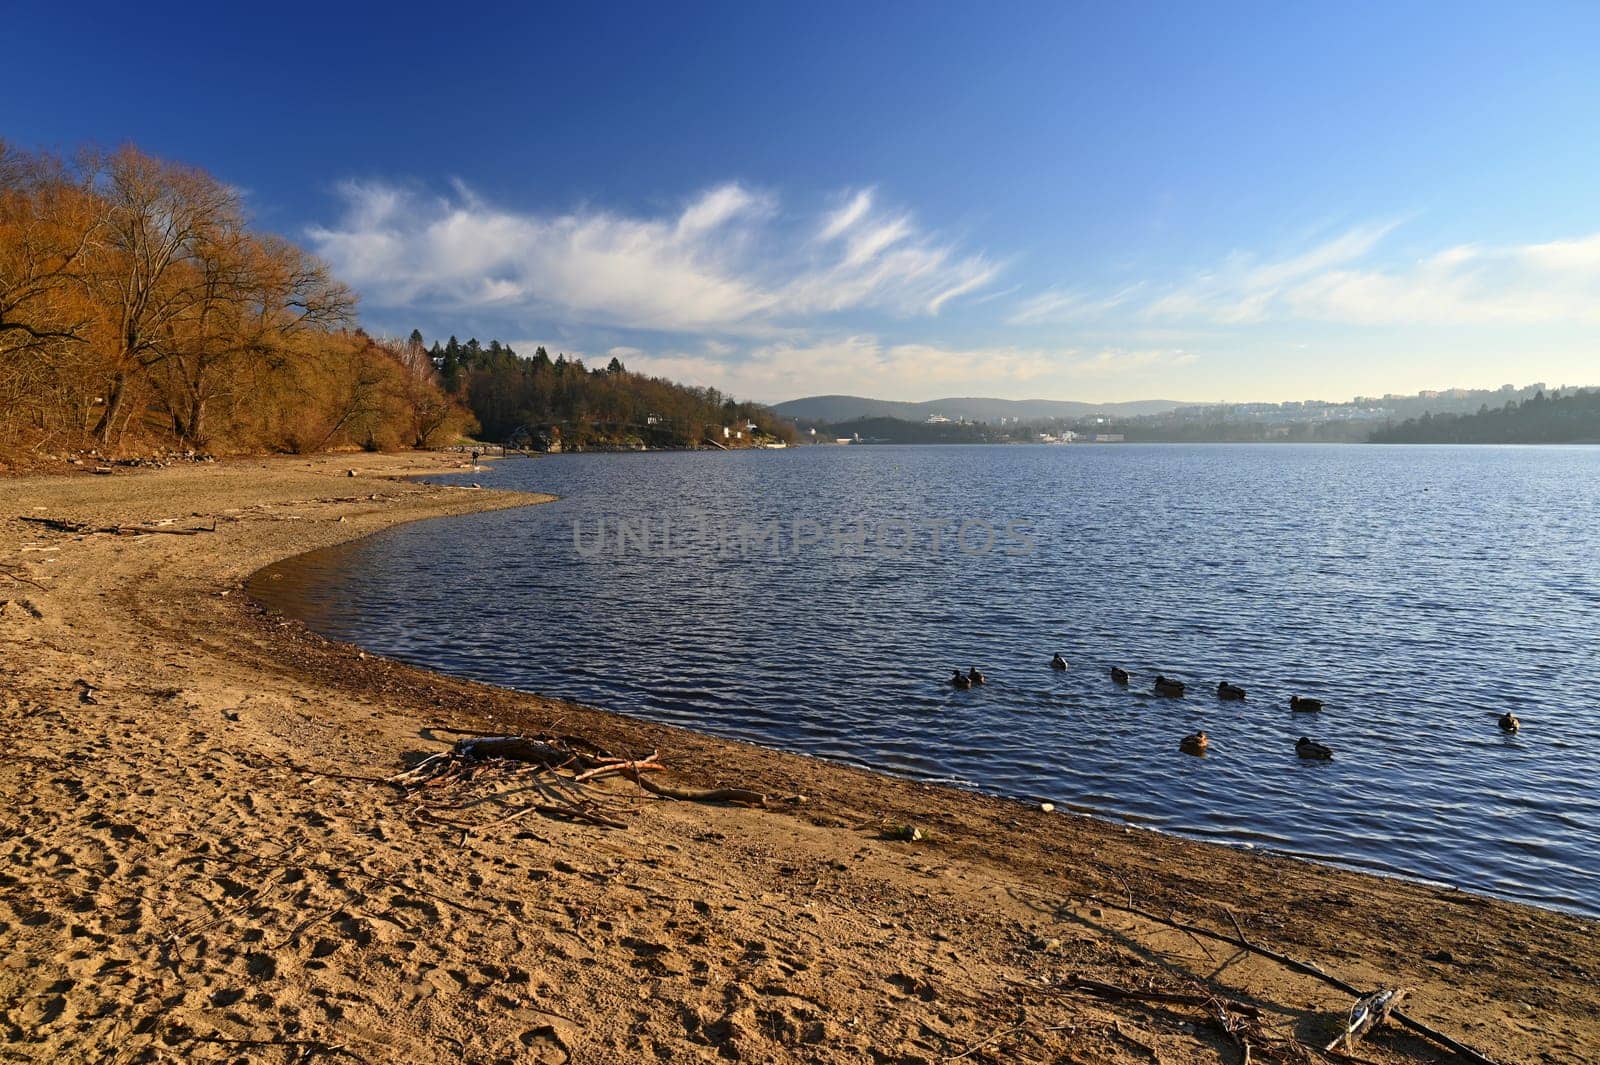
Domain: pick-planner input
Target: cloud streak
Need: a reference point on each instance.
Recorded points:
(865, 364)
(728, 261)
(1341, 280)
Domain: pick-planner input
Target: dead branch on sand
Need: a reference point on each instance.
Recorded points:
(741, 795)
(556, 767)
(1113, 992)
(1240, 1022)
(13, 573)
(84, 528)
(1238, 939)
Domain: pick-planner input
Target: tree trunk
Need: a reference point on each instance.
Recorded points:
(106, 428)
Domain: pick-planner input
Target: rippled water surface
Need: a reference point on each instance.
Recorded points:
(1419, 591)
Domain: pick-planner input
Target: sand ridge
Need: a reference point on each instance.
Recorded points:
(190, 870)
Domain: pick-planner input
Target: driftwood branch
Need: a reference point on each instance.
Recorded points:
(618, 766)
(17, 575)
(742, 795)
(1309, 969)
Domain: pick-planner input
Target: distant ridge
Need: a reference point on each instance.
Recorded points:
(849, 408)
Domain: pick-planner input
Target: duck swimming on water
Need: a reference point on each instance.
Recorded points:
(1119, 674)
(1307, 748)
(1231, 692)
(1299, 702)
(975, 677)
(1509, 723)
(1195, 744)
(1168, 686)
(1058, 662)
(960, 681)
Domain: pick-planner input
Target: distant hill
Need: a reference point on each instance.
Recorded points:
(850, 408)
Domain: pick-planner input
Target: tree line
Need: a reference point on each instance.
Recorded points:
(514, 397)
(1554, 419)
(140, 310)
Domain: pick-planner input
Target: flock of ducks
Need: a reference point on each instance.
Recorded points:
(1197, 743)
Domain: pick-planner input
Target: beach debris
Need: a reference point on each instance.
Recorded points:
(1100, 989)
(1305, 968)
(1047, 807)
(1240, 1022)
(85, 529)
(15, 574)
(555, 768)
(1368, 1013)
(716, 795)
(904, 833)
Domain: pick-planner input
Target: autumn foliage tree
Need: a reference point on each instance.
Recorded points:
(139, 309)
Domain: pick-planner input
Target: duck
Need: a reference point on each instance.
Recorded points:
(1231, 692)
(1168, 686)
(1510, 723)
(975, 677)
(1307, 748)
(1195, 744)
(960, 681)
(1058, 662)
(1301, 702)
(1119, 675)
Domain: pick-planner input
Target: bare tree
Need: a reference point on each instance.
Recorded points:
(158, 214)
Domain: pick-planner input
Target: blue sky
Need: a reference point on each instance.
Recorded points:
(1244, 201)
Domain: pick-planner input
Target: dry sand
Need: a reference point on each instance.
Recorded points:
(186, 878)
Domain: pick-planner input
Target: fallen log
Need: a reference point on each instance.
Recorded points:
(1307, 968)
(515, 748)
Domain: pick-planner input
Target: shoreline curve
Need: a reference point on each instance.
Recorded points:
(186, 806)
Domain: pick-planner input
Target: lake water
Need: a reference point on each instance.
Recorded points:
(818, 599)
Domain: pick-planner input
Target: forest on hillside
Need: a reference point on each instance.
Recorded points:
(140, 311)
(518, 398)
(1554, 419)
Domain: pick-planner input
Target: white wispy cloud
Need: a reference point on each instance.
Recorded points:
(727, 261)
(865, 364)
(1058, 306)
(1348, 279)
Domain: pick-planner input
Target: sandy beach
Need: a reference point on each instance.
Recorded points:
(202, 863)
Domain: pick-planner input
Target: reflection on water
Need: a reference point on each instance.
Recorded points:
(1419, 592)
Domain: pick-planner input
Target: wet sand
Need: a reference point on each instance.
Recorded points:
(194, 869)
